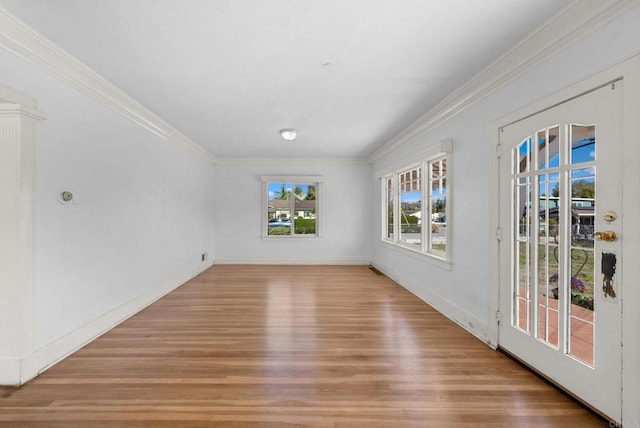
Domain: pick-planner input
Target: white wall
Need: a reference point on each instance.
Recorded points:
(462, 293)
(466, 285)
(346, 211)
(139, 222)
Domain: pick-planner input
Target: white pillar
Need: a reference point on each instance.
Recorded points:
(17, 194)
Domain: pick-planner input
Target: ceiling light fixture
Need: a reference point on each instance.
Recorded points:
(289, 134)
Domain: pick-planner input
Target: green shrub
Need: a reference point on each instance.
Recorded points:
(279, 231)
(305, 222)
(411, 219)
(583, 300)
(305, 226)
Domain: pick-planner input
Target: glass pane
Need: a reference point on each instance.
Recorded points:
(581, 280)
(582, 328)
(548, 260)
(439, 223)
(305, 209)
(438, 207)
(547, 281)
(411, 207)
(523, 201)
(435, 170)
(583, 189)
(583, 144)
(523, 156)
(584, 173)
(549, 191)
(541, 138)
(548, 148)
(553, 147)
(389, 192)
(522, 293)
(581, 308)
(279, 208)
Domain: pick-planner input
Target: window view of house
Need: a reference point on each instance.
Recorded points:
(291, 208)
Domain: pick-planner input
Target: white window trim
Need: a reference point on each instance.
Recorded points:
(433, 151)
(294, 179)
(423, 159)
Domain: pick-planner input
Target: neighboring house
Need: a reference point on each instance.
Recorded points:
(281, 209)
(582, 213)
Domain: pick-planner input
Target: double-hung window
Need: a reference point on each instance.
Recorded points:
(416, 203)
(291, 207)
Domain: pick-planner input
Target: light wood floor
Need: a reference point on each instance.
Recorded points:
(294, 346)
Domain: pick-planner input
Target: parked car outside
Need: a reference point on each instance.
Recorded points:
(276, 222)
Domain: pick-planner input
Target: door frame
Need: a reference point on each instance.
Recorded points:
(629, 70)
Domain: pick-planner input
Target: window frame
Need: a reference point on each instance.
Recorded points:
(294, 180)
(423, 160)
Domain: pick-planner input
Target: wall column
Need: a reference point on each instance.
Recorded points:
(17, 195)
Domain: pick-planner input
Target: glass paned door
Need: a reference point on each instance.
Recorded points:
(562, 175)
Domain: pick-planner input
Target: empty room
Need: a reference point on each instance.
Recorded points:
(355, 213)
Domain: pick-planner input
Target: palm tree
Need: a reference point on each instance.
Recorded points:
(311, 193)
(284, 193)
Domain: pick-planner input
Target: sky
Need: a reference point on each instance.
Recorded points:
(275, 188)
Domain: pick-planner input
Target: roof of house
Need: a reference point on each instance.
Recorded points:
(284, 204)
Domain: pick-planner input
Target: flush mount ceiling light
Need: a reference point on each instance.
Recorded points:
(289, 134)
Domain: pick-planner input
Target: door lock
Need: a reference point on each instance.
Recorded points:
(608, 236)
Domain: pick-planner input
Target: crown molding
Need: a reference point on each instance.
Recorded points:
(293, 161)
(13, 96)
(20, 39)
(574, 22)
(432, 151)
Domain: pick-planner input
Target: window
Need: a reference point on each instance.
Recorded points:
(389, 209)
(291, 207)
(416, 204)
(410, 199)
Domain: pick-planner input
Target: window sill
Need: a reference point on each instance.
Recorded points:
(419, 255)
(295, 238)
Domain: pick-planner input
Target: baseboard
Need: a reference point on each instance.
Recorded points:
(43, 358)
(10, 372)
(314, 261)
(474, 325)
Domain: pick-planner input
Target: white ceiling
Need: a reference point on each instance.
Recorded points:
(349, 74)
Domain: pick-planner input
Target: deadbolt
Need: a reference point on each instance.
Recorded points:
(609, 216)
(608, 235)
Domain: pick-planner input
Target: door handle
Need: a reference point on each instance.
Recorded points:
(607, 235)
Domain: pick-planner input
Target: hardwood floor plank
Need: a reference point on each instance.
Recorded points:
(288, 346)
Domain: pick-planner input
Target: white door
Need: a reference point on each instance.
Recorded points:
(560, 189)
